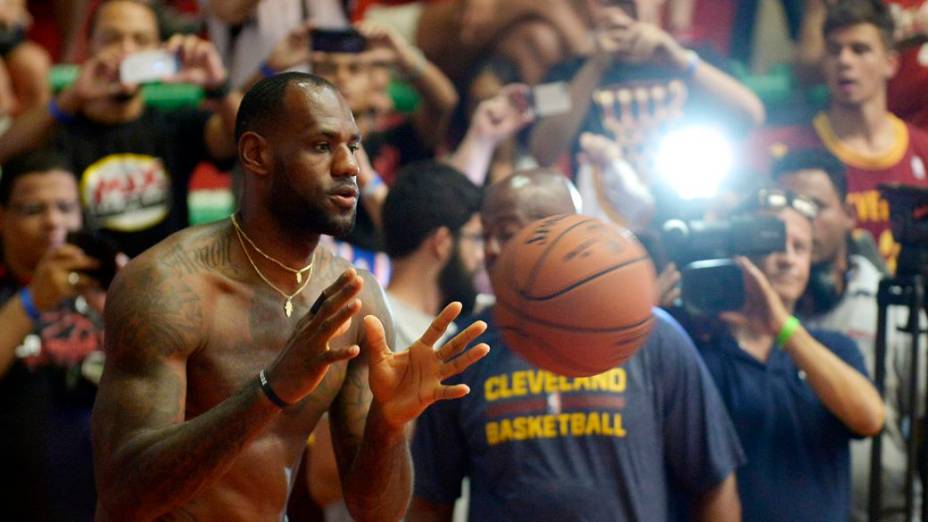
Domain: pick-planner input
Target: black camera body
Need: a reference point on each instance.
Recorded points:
(711, 282)
(908, 216)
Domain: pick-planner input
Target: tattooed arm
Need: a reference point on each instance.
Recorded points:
(382, 393)
(148, 459)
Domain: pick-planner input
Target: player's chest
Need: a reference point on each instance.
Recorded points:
(241, 341)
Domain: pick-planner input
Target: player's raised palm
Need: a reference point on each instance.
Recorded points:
(406, 383)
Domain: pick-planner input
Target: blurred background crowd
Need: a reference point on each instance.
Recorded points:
(117, 119)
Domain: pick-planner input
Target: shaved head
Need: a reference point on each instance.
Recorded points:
(535, 194)
(526, 196)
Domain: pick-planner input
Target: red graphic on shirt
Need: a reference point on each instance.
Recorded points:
(67, 338)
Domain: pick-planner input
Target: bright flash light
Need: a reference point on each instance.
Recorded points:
(694, 161)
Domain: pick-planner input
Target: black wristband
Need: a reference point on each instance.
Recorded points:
(269, 392)
(218, 92)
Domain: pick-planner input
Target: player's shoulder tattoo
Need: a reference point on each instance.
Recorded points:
(200, 249)
(154, 305)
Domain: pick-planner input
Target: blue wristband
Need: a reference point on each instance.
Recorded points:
(25, 297)
(266, 70)
(59, 115)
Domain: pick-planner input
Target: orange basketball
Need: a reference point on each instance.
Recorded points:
(574, 294)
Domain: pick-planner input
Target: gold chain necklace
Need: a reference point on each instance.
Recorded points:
(299, 273)
(288, 304)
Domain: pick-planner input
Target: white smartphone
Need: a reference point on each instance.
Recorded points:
(148, 66)
(549, 99)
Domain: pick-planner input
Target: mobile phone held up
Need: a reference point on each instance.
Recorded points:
(337, 40)
(549, 99)
(100, 248)
(148, 67)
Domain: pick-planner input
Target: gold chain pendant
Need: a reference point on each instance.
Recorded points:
(288, 307)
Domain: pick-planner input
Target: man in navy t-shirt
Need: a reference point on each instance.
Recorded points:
(796, 397)
(634, 443)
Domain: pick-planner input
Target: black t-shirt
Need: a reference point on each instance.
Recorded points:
(46, 399)
(134, 177)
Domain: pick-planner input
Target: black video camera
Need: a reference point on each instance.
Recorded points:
(908, 216)
(711, 282)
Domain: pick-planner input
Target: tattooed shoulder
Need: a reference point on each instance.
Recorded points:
(200, 249)
(155, 306)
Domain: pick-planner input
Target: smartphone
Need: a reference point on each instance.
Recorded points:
(148, 66)
(549, 99)
(338, 40)
(100, 248)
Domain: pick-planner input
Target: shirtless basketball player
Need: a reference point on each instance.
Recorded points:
(217, 370)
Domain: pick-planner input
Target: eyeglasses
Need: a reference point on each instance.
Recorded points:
(776, 199)
(33, 209)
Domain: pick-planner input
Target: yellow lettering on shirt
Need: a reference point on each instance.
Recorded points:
(889, 249)
(577, 424)
(537, 428)
(593, 425)
(490, 388)
(518, 383)
(550, 427)
(870, 206)
(550, 382)
(535, 382)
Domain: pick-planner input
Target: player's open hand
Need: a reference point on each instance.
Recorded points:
(406, 383)
(306, 359)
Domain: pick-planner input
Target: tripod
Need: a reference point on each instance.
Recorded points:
(909, 291)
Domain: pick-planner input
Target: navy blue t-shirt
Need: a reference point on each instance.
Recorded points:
(798, 461)
(623, 445)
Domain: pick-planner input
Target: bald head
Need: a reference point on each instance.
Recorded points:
(526, 196)
(534, 194)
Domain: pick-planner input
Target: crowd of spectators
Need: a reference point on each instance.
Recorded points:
(476, 118)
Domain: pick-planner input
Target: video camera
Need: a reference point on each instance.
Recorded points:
(908, 216)
(711, 282)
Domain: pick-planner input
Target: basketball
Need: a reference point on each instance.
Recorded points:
(574, 294)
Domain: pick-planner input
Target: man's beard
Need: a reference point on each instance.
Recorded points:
(301, 215)
(457, 283)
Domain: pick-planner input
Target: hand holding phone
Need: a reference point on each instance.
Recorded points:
(148, 67)
(549, 99)
(337, 40)
(100, 248)
(503, 115)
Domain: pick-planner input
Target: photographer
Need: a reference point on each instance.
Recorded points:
(134, 161)
(50, 344)
(796, 396)
(842, 296)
